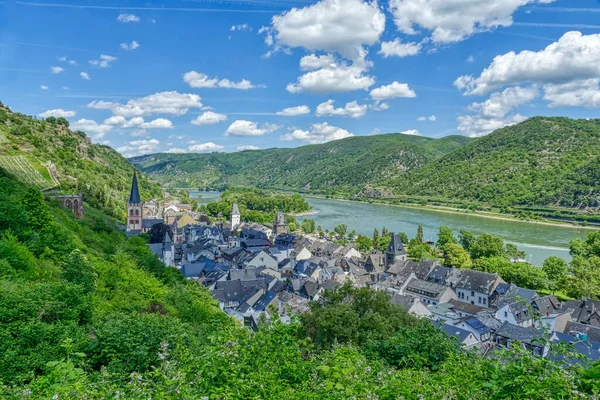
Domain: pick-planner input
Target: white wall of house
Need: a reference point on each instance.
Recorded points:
(474, 297)
(303, 254)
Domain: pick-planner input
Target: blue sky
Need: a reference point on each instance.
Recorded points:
(200, 76)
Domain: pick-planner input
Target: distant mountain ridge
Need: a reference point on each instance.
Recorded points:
(347, 165)
(548, 162)
(47, 154)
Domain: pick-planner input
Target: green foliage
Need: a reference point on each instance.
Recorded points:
(38, 214)
(79, 270)
(16, 254)
(445, 236)
(486, 246)
(456, 256)
(346, 165)
(351, 315)
(466, 239)
(556, 270)
(364, 243)
(417, 250)
(419, 236)
(341, 230)
(308, 225)
(383, 242)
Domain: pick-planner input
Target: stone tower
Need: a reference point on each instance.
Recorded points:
(395, 251)
(134, 208)
(168, 251)
(235, 217)
(279, 225)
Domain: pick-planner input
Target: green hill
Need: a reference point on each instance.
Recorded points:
(48, 155)
(346, 165)
(540, 162)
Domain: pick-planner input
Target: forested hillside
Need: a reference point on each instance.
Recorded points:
(86, 313)
(47, 154)
(345, 165)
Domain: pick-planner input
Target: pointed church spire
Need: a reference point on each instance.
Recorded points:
(167, 238)
(134, 196)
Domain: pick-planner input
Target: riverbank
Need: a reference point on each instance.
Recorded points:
(450, 210)
(302, 214)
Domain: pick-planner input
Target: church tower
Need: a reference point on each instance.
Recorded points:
(235, 217)
(134, 207)
(279, 225)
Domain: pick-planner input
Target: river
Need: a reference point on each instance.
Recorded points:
(537, 240)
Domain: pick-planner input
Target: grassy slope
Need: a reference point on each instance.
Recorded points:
(98, 172)
(344, 166)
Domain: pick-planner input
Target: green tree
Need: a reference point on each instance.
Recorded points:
(418, 250)
(445, 236)
(308, 226)
(513, 253)
(456, 256)
(79, 270)
(341, 230)
(39, 217)
(375, 236)
(420, 233)
(556, 270)
(364, 243)
(403, 237)
(17, 254)
(466, 239)
(486, 246)
(383, 243)
(585, 277)
(384, 232)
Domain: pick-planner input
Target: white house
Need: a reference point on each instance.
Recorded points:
(477, 287)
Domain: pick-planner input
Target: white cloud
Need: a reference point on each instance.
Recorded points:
(318, 133)
(352, 109)
(379, 106)
(247, 147)
(209, 118)
(130, 46)
(249, 128)
(430, 118)
(59, 112)
(175, 150)
(580, 93)
(454, 20)
(392, 91)
(399, 49)
(573, 57)
(140, 133)
(493, 113)
(341, 26)
(57, 70)
(332, 78)
(501, 103)
(88, 125)
(208, 147)
(470, 59)
(63, 59)
(128, 18)
(139, 147)
(312, 62)
(475, 126)
(375, 131)
(65, 88)
(294, 111)
(411, 132)
(173, 103)
(43, 87)
(73, 62)
(104, 61)
(200, 80)
(242, 27)
(85, 76)
(159, 123)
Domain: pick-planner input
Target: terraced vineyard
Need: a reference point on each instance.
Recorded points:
(25, 171)
(3, 139)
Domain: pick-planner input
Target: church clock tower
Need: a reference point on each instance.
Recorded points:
(134, 208)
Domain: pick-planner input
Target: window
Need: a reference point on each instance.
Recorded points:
(505, 314)
(479, 300)
(137, 213)
(131, 212)
(472, 293)
(484, 300)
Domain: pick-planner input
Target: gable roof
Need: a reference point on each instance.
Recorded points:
(478, 281)
(516, 332)
(235, 210)
(424, 288)
(460, 334)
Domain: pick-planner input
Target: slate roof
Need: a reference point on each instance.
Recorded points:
(148, 223)
(424, 288)
(439, 274)
(192, 270)
(546, 305)
(460, 334)
(235, 210)
(478, 281)
(396, 247)
(587, 348)
(424, 267)
(516, 332)
(330, 284)
(520, 310)
(478, 326)
(311, 288)
(512, 292)
(264, 300)
(242, 274)
(573, 328)
(406, 302)
(582, 309)
(134, 195)
(466, 308)
(249, 243)
(489, 320)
